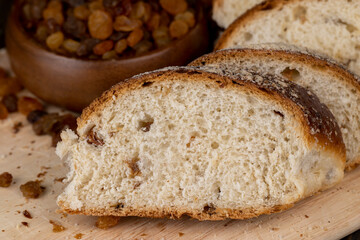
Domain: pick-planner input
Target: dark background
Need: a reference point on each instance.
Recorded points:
(5, 6)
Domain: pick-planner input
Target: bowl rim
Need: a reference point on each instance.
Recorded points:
(15, 17)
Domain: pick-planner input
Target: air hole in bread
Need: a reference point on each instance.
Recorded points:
(237, 83)
(300, 14)
(267, 6)
(349, 27)
(248, 36)
(145, 124)
(209, 209)
(147, 84)
(291, 74)
(279, 113)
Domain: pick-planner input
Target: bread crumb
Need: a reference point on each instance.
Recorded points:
(79, 236)
(57, 227)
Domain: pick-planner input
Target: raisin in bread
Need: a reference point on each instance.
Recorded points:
(331, 27)
(336, 87)
(183, 141)
(226, 11)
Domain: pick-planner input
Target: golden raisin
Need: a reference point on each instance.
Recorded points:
(100, 24)
(81, 12)
(174, 6)
(5, 179)
(120, 46)
(28, 104)
(147, 13)
(55, 14)
(106, 222)
(95, 5)
(187, 17)
(32, 189)
(109, 55)
(164, 19)
(3, 111)
(55, 40)
(178, 28)
(138, 10)
(161, 36)
(103, 47)
(71, 45)
(154, 22)
(125, 24)
(135, 37)
(55, 4)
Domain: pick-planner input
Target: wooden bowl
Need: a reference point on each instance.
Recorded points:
(73, 83)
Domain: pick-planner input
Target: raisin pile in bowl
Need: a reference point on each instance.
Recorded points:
(106, 29)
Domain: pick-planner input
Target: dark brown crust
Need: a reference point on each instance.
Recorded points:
(250, 15)
(176, 213)
(320, 63)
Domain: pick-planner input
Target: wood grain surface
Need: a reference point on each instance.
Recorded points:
(330, 215)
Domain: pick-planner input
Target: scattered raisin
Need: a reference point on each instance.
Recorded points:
(28, 104)
(3, 111)
(9, 85)
(27, 214)
(10, 102)
(106, 222)
(35, 115)
(5, 179)
(46, 124)
(32, 189)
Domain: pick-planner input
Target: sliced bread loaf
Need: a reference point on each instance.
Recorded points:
(183, 141)
(336, 87)
(226, 11)
(331, 27)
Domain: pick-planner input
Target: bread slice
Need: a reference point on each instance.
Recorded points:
(331, 27)
(336, 87)
(226, 11)
(183, 141)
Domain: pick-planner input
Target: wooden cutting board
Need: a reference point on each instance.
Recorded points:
(329, 215)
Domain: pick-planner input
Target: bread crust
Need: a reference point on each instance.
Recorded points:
(177, 213)
(318, 125)
(250, 15)
(300, 56)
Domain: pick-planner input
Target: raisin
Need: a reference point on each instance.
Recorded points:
(52, 26)
(109, 55)
(106, 222)
(86, 47)
(178, 28)
(42, 32)
(65, 121)
(81, 12)
(55, 14)
(55, 5)
(4, 113)
(55, 40)
(123, 23)
(75, 3)
(138, 10)
(93, 138)
(143, 47)
(120, 46)
(174, 6)
(161, 36)
(5, 179)
(28, 104)
(32, 189)
(135, 37)
(74, 27)
(118, 36)
(95, 5)
(154, 22)
(46, 124)
(187, 17)
(35, 115)
(27, 214)
(10, 102)
(103, 47)
(71, 45)
(100, 24)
